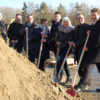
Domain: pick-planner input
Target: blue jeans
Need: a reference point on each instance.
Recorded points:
(62, 71)
(60, 61)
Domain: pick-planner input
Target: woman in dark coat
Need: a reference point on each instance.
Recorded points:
(64, 35)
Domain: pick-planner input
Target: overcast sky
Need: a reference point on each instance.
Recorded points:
(52, 3)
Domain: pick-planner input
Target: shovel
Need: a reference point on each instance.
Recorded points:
(54, 79)
(40, 54)
(41, 47)
(26, 41)
(71, 91)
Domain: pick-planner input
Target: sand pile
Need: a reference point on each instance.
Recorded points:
(21, 80)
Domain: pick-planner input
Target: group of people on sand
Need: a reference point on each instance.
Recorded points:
(58, 39)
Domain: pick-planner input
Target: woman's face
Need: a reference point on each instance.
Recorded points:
(65, 23)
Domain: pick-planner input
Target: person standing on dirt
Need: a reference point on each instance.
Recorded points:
(63, 37)
(30, 25)
(3, 28)
(15, 38)
(53, 36)
(43, 33)
(53, 32)
(78, 38)
(92, 50)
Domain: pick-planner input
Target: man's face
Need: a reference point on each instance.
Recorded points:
(57, 17)
(0, 16)
(80, 19)
(95, 16)
(30, 19)
(18, 19)
(45, 23)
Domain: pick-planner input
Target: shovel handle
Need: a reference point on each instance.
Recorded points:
(64, 59)
(80, 60)
(26, 40)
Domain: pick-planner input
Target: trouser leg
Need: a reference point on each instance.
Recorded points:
(42, 66)
(87, 71)
(98, 66)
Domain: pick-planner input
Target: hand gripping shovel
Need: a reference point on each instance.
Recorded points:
(40, 51)
(71, 91)
(26, 41)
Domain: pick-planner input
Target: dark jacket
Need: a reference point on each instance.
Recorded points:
(14, 32)
(31, 35)
(63, 36)
(37, 44)
(3, 30)
(79, 37)
(53, 35)
(93, 53)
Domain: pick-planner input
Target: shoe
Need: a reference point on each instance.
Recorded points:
(98, 90)
(86, 87)
(69, 80)
(63, 79)
(78, 88)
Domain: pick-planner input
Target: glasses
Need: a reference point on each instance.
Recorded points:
(81, 18)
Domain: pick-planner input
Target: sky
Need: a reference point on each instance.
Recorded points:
(52, 3)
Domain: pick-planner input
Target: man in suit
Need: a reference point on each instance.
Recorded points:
(92, 50)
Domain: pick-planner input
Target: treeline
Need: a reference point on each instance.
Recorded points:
(45, 11)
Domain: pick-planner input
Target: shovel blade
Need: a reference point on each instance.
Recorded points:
(55, 79)
(71, 92)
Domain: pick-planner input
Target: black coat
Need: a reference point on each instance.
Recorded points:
(64, 35)
(31, 35)
(14, 32)
(37, 44)
(53, 35)
(3, 30)
(79, 37)
(93, 53)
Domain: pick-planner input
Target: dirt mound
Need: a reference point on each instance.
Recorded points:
(21, 80)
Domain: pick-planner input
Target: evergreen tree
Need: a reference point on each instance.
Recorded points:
(24, 12)
(62, 10)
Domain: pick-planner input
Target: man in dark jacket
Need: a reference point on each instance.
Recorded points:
(15, 38)
(31, 36)
(53, 33)
(79, 37)
(92, 54)
(3, 28)
(52, 40)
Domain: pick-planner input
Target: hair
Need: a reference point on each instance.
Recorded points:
(43, 20)
(67, 19)
(95, 10)
(57, 12)
(29, 15)
(18, 14)
(79, 14)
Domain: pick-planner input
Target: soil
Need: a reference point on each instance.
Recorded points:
(21, 80)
